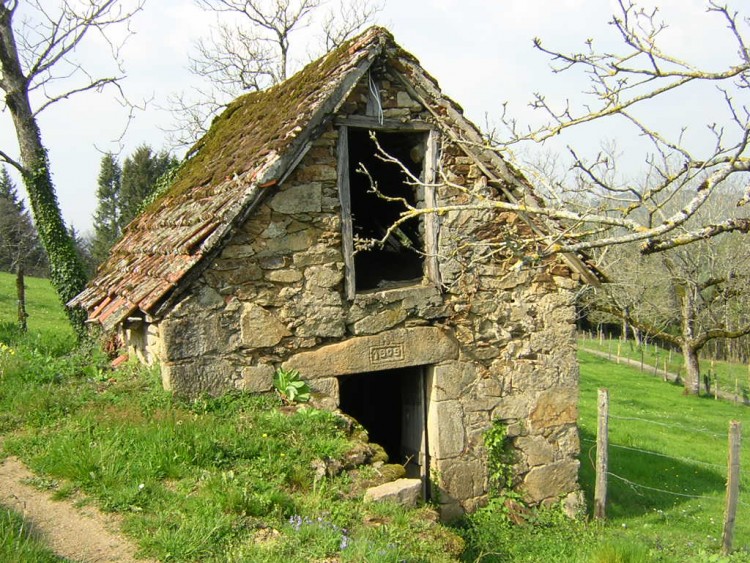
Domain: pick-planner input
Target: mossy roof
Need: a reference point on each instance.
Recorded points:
(242, 154)
(247, 151)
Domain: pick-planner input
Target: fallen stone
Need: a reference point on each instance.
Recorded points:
(405, 492)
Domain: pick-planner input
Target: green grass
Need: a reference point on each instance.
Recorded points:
(732, 377)
(204, 479)
(233, 478)
(18, 543)
(662, 440)
(46, 313)
(665, 448)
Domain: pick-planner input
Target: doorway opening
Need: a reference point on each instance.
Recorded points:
(391, 405)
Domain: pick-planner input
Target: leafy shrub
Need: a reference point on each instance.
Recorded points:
(291, 388)
(500, 455)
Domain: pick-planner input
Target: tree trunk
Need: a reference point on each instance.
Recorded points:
(688, 294)
(66, 270)
(692, 365)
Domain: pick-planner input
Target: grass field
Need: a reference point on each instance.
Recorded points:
(212, 479)
(732, 377)
(46, 313)
(668, 452)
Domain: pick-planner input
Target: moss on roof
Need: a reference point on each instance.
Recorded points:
(213, 187)
(258, 123)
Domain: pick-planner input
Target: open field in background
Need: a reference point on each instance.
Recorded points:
(668, 454)
(198, 480)
(733, 377)
(46, 313)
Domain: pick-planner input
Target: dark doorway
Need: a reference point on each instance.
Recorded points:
(390, 404)
(399, 259)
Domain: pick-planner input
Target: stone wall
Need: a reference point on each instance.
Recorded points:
(143, 341)
(498, 341)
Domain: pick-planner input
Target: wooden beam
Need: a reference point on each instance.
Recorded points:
(431, 221)
(347, 232)
(602, 445)
(733, 486)
(388, 125)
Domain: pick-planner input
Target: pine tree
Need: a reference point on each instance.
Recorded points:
(82, 247)
(19, 241)
(107, 217)
(139, 175)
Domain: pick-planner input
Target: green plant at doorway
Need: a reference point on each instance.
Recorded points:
(290, 386)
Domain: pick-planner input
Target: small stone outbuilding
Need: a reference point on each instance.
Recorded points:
(283, 242)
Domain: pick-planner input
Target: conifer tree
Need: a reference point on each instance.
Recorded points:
(140, 172)
(107, 220)
(19, 241)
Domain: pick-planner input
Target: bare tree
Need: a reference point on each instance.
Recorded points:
(620, 84)
(596, 205)
(686, 296)
(683, 195)
(39, 68)
(249, 50)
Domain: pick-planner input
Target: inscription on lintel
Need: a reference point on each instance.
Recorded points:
(386, 354)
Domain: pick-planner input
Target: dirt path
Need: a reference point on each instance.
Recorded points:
(79, 534)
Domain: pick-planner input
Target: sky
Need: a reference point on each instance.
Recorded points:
(480, 51)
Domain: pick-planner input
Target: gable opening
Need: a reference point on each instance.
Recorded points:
(378, 197)
(391, 406)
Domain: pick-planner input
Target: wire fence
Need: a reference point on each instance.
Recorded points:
(727, 379)
(603, 471)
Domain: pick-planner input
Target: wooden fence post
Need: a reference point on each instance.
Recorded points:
(733, 486)
(602, 441)
(21, 293)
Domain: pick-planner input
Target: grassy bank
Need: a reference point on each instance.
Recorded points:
(233, 478)
(732, 377)
(243, 478)
(668, 454)
(46, 314)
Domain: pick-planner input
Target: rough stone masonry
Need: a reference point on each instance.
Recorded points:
(497, 341)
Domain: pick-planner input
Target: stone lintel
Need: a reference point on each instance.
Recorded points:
(398, 348)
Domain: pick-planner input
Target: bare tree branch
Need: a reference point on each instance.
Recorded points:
(248, 49)
(14, 163)
(37, 55)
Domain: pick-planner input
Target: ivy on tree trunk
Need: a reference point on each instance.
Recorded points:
(66, 270)
(67, 273)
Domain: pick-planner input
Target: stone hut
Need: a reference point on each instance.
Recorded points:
(400, 295)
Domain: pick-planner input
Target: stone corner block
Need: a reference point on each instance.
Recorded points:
(304, 198)
(452, 379)
(554, 407)
(445, 426)
(256, 379)
(209, 375)
(551, 481)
